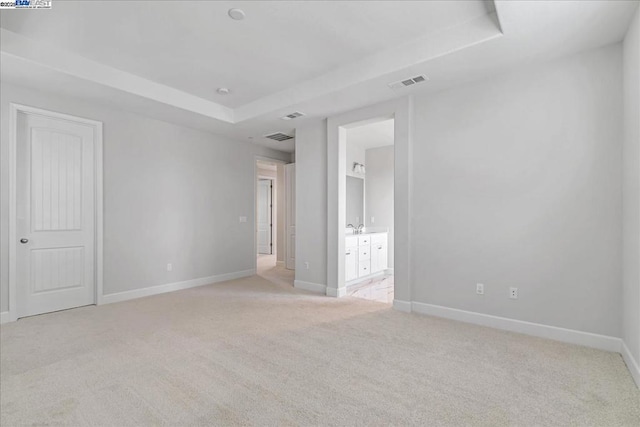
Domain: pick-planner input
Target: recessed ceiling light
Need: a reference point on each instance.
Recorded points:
(223, 91)
(237, 14)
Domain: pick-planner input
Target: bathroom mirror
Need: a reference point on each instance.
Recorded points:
(355, 201)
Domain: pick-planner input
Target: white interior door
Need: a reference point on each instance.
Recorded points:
(264, 217)
(55, 214)
(290, 191)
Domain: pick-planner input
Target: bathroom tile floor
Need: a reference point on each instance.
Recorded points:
(379, 289)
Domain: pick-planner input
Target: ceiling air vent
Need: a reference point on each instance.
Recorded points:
(279, 136)
(292, 116)
(408, 82)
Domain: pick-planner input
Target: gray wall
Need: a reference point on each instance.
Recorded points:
(631, 189)
(311, 202)
(171, 194)
(379, 191)
(517, 183)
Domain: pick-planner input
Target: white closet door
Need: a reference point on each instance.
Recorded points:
(264, 217)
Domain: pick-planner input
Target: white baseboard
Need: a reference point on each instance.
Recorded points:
(336, 292)
(176, 286)
(280, 264)
(389, 271)
(400, 305)
(310, 286)
(632, 364)
(4, 317)
(587, 339)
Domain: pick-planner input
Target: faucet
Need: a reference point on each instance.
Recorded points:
(352, 227)
(360, 227)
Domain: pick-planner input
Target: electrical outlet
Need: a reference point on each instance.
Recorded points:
(169, 267)
(306, 265)
(513, 293)
(373, 219)
(242, 219)
(479, 289)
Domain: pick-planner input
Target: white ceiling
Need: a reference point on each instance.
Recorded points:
(372, 135)
(195, 46)
(165, 59)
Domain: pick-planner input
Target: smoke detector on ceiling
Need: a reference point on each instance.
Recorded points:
(292, 116)
(408, 82)
(279, 136)
(236, 14)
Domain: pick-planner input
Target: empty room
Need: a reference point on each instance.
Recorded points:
(337, 213)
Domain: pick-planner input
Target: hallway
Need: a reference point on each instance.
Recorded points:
(278, 274)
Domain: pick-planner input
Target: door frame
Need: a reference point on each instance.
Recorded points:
(255, 203)
(290, 215)
(14, 110)
(271, 179)
(401, 110)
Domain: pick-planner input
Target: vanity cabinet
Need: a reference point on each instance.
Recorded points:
(379, 253)
(351, 264)
(365, 255)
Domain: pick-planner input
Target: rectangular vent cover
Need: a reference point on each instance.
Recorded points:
(293, 115)
(408, 82)
(279, 136)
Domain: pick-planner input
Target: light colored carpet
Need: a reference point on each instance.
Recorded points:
(251, 352)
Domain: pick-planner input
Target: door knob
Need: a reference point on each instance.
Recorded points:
(23, 240)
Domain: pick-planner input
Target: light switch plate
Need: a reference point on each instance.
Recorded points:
(243, 219)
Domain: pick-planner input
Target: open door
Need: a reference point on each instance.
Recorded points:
(265, 217)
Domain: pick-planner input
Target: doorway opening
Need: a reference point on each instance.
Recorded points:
(270, 221)
(369, 206)
(400, 111)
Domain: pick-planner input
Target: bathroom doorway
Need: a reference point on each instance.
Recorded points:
(369, 206)
(337, 127)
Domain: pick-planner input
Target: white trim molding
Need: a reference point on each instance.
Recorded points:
(14, 110)
(404, 306)
(587, 339)
(175, 286)
(310, 286)
(336, 292)
(631, 363)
